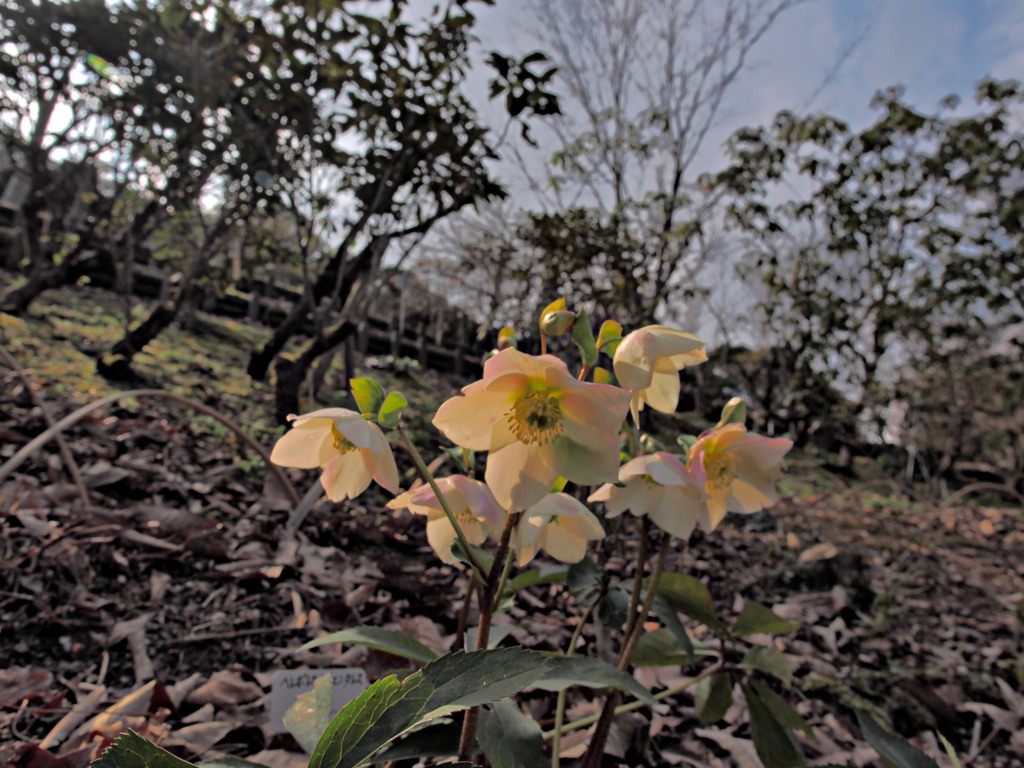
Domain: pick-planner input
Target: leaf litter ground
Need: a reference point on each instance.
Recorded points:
(167, 601)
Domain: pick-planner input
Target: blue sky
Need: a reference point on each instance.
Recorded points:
(932, 47)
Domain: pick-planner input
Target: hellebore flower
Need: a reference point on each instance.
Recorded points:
(538, 423)
(648, 362)
(659, 486)
(558, 524)
(737, 470)
(470, 501)
(350, 450)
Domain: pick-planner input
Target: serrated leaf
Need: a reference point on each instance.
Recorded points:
(781, 709)
(391, 409)
(509, 738)
(774, 743)
(438, 739)
(391, 641)
(308, 717)
(689, 596)
(769, 660)
(591, 673)
(465, 680)
(228, 761)
(757, 619)
(368, 394)
(583, 335)
(896, 752)
(713, 697)
(131, 750)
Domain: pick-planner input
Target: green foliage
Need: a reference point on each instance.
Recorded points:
(391, 641)
(389, 708)
(896, 752)
(309, 716)
(899, 267)
(509, 738)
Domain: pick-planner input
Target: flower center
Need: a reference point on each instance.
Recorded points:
(719, 468)
(341, 443)
(536, 418)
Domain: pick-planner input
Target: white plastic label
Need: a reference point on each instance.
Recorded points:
(289, 683)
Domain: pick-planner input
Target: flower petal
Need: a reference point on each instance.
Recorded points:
(634, 360)
(663, 393)
(520, 475)
(300, 446)
(468, 420)
(345, 476)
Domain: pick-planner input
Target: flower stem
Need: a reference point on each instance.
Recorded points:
(556, 738)
(593, 756)
(428, 478)
(467, 741)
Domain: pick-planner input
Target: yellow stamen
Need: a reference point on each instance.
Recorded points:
(536, 418)
(341, 443)
(719, 468)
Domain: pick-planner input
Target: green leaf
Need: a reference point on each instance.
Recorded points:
(713, 697)
(545, 574)
(391, 409)
(781, 709)
(609, 336)
(583, 335)
(308, 717)
(668, 616)
(439, 738)
(368, 394)
(689, 596)
(132, 751)
(509, 738)
(391, 641)
(661, 648)
(584, 574)
(757, 619)
(770, 660)
(592, 673)
(228, 761)
(896, 752)
(775, 745)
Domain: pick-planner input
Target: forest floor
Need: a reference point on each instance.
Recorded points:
(165, 596)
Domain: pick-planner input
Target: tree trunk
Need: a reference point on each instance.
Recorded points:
(289, 373)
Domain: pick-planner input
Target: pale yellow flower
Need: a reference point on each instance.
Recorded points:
(737, 470)
(350, 450)
(659, 486)
(538, 423)
(471, 503)
(647, 362)
(558, 524)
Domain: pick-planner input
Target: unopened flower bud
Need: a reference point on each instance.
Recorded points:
(558, 322)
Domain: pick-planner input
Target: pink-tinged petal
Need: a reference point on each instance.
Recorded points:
(679, 511)
(357, 431)
(662, 467)
(345, 477)
(561, 543)
(634, 360)
(557, 505)
(501, 435)
(300, 447)
(380, 460)
(526, 536)
(763, 452)
(717, 507)
(520, 475)
(584, 526)
(670, 342)
(481, 501)
(663, 393)
(633, 496)
(441, 536)
(335, 414)
(594, 412)
(469, 420)
(748, 498)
